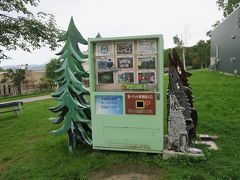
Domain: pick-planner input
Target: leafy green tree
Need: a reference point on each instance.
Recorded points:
(198, 55)
(21, 28)
(166, 52)
(180, 45)
(196, 63)
(16, 76)
(213, 26)
(227, 6)
(189, 54)
(51, 67)
(50, 74)
(202, 53)
(73, 108)
(177, 41)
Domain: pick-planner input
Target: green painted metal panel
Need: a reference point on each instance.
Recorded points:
(117, 130)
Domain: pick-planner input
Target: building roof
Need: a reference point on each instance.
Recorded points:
(238, 8)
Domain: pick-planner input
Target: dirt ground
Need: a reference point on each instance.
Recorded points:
(129, 172)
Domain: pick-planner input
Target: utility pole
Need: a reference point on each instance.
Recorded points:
(183, 53)
(184, 60)
(184, 44)
(180, 43)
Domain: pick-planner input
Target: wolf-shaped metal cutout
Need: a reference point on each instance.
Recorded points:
(182, 116)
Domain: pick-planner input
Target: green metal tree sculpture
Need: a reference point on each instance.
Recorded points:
(73, 109)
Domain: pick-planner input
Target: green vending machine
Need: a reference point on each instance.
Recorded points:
(126, 81)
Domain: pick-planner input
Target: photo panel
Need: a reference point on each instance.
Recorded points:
(104, 63)
(124, 48)
(125, 77)
(104, 49)
(146, 77)
(105, 77)
(124, 62)
(147, 47)
(146, 62)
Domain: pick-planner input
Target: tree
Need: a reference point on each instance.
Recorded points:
(20, 28)
(202, 52)
(50, 74)
(180, 44)
(213, 26)
(51, 67)
(227, 6)
(166, 52)
(16, 76)
(177, 41)
(98, 35)
(73, 108)
(198, 55)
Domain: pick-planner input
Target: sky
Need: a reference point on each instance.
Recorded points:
(190, 19)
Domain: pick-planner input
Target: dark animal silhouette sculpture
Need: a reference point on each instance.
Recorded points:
(182, 116)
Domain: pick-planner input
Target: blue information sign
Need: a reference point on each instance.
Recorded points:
(109, 104)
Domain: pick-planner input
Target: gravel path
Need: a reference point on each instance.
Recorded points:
(38, 98)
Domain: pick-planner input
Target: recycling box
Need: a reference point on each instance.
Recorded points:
(126, 81)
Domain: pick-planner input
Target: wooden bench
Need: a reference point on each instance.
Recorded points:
(14, 106)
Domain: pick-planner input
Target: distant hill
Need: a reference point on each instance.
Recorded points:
(35, 67)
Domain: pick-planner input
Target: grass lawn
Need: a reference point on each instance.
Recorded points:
(28, 151)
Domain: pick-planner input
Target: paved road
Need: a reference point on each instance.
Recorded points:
(38, 98)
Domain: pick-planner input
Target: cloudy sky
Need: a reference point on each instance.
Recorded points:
(190, 19)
